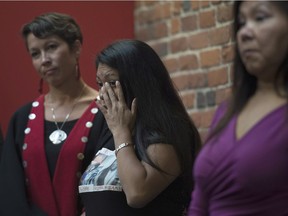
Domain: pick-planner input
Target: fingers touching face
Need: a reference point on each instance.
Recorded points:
(106, 74)
(110, 89)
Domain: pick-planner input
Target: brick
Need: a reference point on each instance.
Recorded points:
(207, 19)
(144, 34)
(160, 48)
(228, 53)
(149, 3)
(215, 2)
(201, 100)
(210, 58)
(210, 98)
(217, 77)
(204, 4)
(203, 119)
(140, 18)
(156, 13)
(189, 23)
(176, 7)
(190, 81)
(219, 36)
(197, 55)
(195, 5)
(224, 13)
(175, 25)
(179, 44)
(161, 11)
(188, 62)
(222, 94)
(231, 72)
(188, 100)
(186, 5)
(196, 118)
(160, 30)
(166, 10)
(171, 64)
(199, 40)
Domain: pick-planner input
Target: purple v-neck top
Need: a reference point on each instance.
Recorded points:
(248, 176)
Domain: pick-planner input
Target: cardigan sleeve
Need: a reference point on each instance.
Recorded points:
(13, 197)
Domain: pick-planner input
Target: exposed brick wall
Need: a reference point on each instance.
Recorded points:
(195, 42)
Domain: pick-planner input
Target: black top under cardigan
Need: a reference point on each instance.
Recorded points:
(13, 199)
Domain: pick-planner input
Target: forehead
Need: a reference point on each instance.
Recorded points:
(34, 42)
(253, 6)
(104, 72)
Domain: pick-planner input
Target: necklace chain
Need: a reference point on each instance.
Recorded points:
(66, 118)
(58, 136)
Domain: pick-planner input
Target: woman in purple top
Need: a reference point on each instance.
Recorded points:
(243, 167)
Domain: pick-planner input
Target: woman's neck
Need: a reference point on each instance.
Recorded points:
(269, 89)
(65, 94)
(65, 97)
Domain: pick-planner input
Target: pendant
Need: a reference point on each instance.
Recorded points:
(57, 136)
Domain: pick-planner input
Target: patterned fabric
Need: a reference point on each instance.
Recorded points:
(102, 174)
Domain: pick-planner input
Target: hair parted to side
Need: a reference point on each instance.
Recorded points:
(53, 23)
(143, 75)
(244, 84)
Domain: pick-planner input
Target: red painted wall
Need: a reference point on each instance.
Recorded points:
(101, 23)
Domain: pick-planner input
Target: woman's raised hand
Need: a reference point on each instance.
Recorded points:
(117, 114)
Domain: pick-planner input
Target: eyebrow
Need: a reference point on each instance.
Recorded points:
(260, 5)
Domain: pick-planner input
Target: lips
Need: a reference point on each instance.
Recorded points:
(49, 71)
(249, 52)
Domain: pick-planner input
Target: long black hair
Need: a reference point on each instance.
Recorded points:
(245, 84)
(143, 75)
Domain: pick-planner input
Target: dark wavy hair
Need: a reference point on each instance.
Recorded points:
(245, 84)
(48, 24)
(143, 75)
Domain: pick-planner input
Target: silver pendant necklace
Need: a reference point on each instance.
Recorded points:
(58, 135)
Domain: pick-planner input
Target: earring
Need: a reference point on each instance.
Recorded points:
(77, 71)
(40, 88)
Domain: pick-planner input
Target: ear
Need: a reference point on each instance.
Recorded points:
(77, 47)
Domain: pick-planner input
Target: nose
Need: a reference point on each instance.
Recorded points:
(245, 32)
(45, 59)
